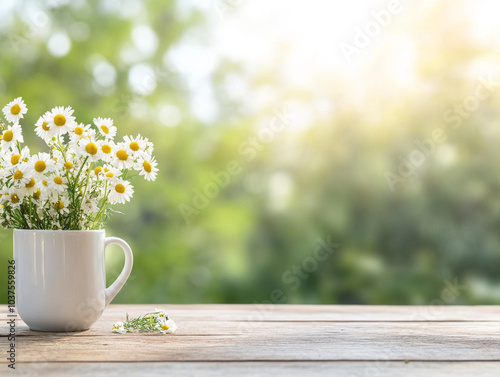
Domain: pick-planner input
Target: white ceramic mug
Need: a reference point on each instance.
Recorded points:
(61, 277)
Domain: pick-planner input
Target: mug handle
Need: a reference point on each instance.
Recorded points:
(114, 288)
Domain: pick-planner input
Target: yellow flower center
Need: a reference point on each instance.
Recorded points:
(45, 126)
(14, 198)
(44, 182)
(120, 188)
(106, 148)
(97, 170)
(165, 327)
(68, 165)
(110, 175)
(147, 166)
(59, 120)
(105, 129)
(79, 131)
(134, 146)
(18, 175)
(106, 170)
(31, 183)
(37, 194)
(16, 109)
(58, 180)
(40, 166)
(59, 205)
(8, 135)
(15, 159)
(91, 148)
(122, 155)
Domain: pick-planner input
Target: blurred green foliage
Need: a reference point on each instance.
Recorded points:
(259, 232)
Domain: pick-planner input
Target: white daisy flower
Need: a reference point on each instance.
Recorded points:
(68, 165)
(120, 192)
(43, 129)
(22, 174)
(16, 157)
(147, 168)
(148, 149)
(166, 326)
(30, 187)
(90, 207)
(111, 173)
(14, 197)
(98, 171)
(78, 132)
(79, 129)
(136, 146)
(60, 119)
(160, 313)
(37, 194)
(105, 127)
(89, 148)
(58, 158)
(43, 183)
(61, 206)
(57, 184)
(43, 192)
(122, 158)
(42, 164)
(106, 148)
(15, 110)
(11, 136)
(82, 223)
(118, 328)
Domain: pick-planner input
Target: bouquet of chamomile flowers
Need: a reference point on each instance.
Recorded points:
(73, 185)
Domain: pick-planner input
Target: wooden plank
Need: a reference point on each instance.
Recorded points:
(225, 341)
(102, 328)
(343, 313)
(276, 369)
(289, 333)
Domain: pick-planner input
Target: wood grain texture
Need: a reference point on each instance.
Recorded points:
(280, 340)
(310, 312)
(259, 369)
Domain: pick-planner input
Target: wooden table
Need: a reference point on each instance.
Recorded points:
(255, 340)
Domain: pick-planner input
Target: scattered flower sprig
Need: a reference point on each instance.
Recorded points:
(157, 321)
(73, 185)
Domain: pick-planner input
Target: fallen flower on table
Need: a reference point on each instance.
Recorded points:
(157, 321)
